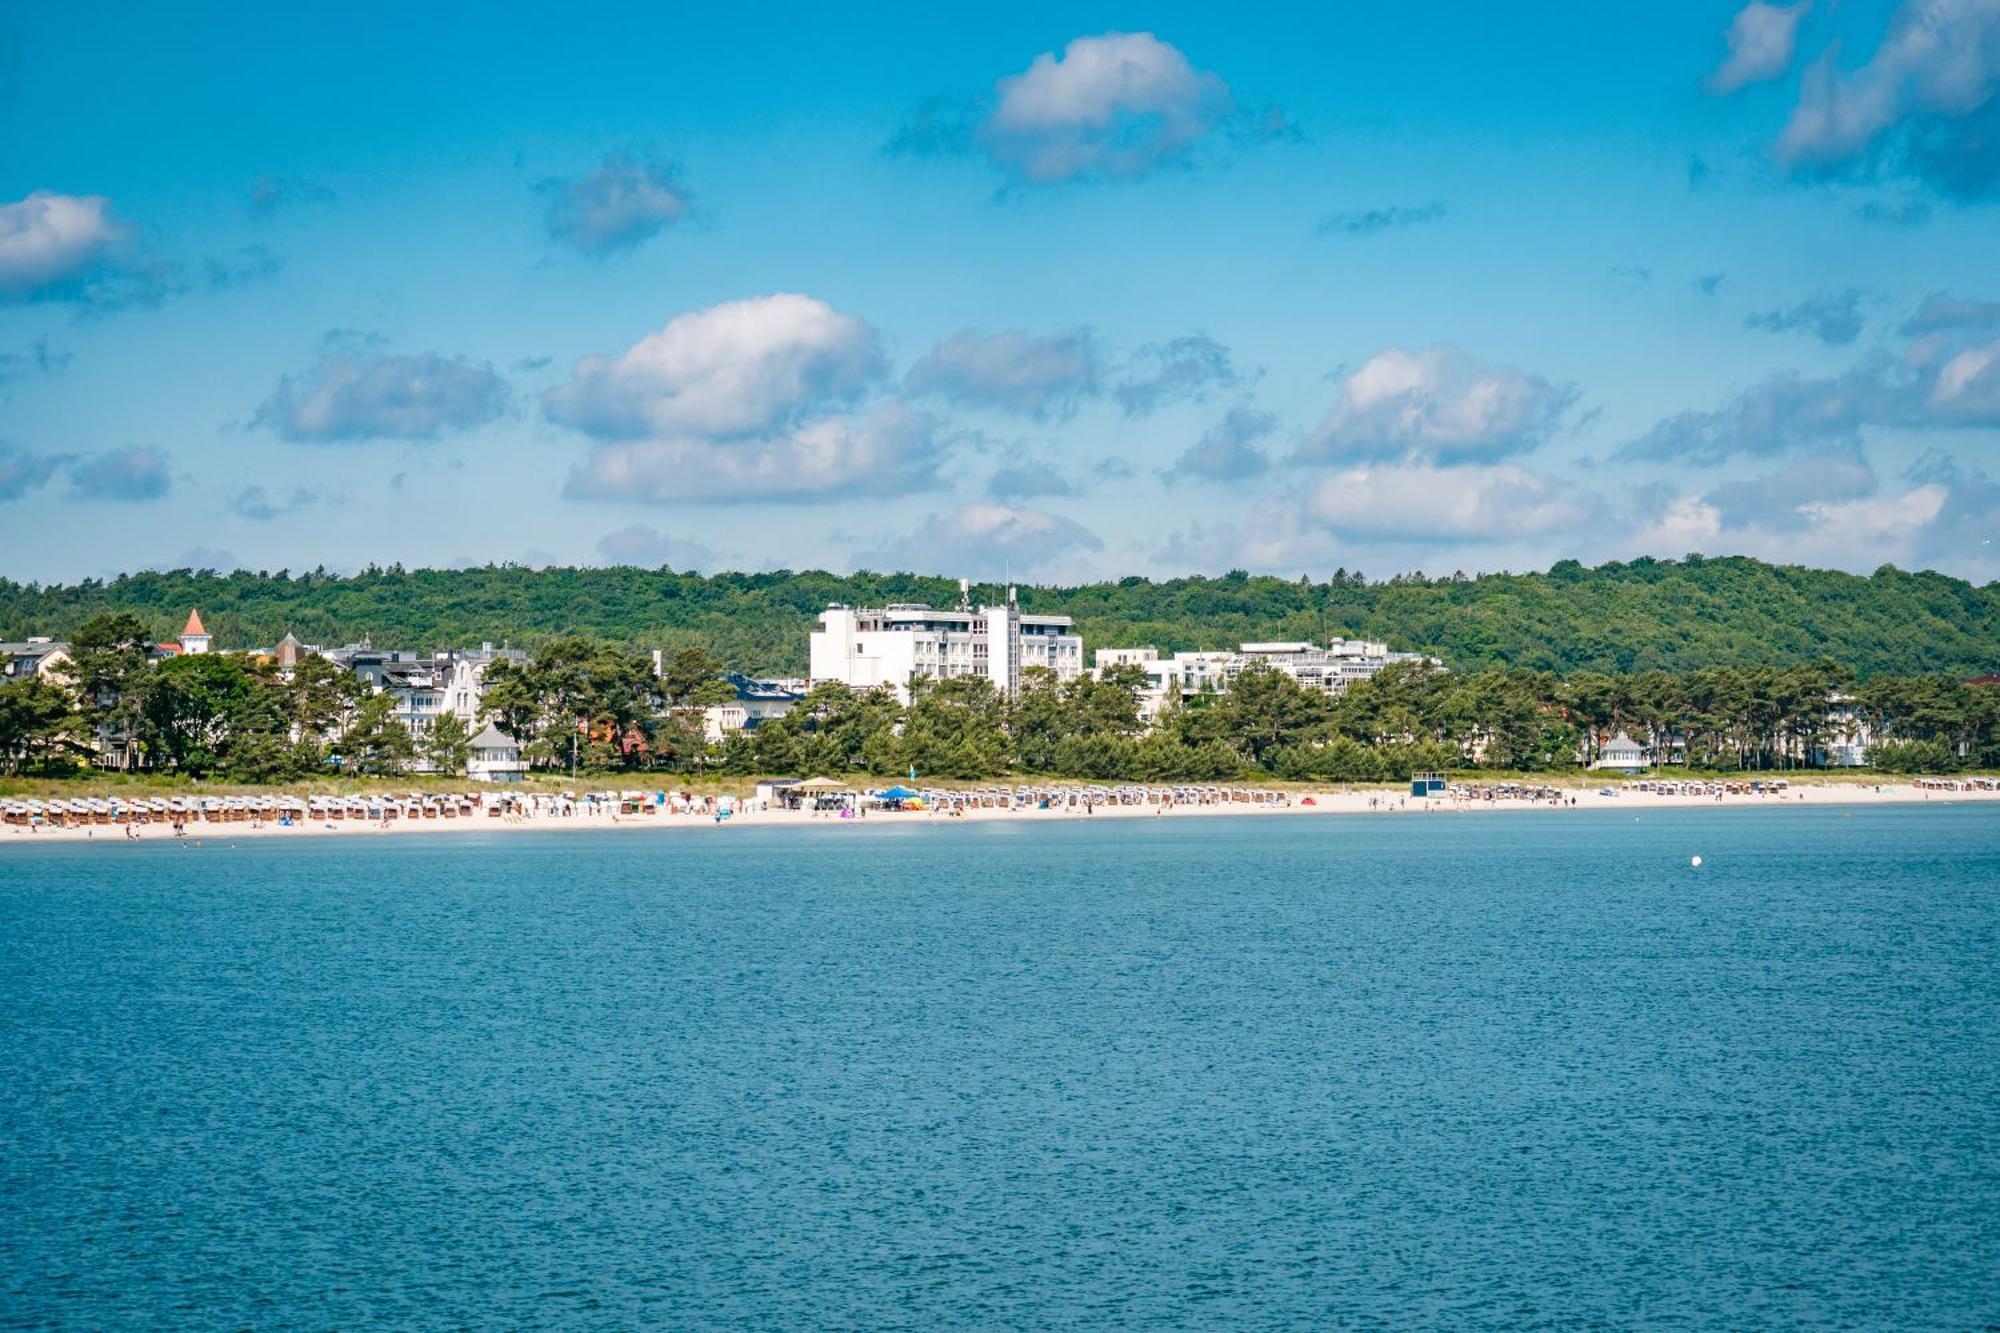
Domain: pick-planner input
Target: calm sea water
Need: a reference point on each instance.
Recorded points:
(1523, 1070)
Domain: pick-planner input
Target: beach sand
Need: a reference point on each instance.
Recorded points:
(1378, 802)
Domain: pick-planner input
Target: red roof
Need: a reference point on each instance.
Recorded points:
(194, 625)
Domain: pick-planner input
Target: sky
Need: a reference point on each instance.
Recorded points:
(1051, 294)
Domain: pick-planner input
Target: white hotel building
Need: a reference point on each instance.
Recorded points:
(863, 647)
(1169, 680)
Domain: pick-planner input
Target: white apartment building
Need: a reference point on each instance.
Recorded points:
(863, 647)
(1329, 669)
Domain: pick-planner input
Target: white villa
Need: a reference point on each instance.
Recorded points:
(1329, 669)
(864, 647)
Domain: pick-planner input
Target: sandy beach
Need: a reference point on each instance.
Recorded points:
(1379, 802)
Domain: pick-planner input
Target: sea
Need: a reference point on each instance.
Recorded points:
(1523, 1070)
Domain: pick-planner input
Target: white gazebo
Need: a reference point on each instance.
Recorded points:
(1622, 754)
(496, 757)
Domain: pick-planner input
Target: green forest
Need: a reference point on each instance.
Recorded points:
(1619, 618)
(592, 706)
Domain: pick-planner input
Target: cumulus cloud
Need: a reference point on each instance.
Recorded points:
(1178, 370)
(1783, 412)
(1922, 105)
(1371, 221)
(986, 538)
(122, 475)
(1966, 389)
(263, 505)
(649, 548)
(1832, 317)
(1029, 374)
(60, 247)
(1420, 500)
(737, 369)
(1116, 106)
(1438, 405)
(21, 471)
(891, 451)
(1857, 533)
(616, 205)
(1228, 450)
(758, 399)
(353, 393)
(1948, 377)
(1788, 499)
(1027, 481)
(277, 194)
(1761, 40)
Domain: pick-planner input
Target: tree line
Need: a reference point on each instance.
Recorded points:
(595, 706)
(1620, 618)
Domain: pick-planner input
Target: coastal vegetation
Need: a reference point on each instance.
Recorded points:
(1639, 616)
(592, 706)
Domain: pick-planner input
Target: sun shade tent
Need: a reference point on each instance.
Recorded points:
(820, 785)
(898, 793)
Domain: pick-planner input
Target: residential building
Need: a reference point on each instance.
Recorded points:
(865, 647)
(194, 638)
(42, 657)
(756, 702)
(1329, 669)
(425, 686)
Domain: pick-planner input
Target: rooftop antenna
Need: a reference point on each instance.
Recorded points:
(965, 594)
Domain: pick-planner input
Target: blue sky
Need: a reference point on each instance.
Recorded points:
(1058, 293)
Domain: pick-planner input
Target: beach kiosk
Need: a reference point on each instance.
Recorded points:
(1427, 784)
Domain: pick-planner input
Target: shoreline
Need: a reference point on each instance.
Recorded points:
(1330, 803)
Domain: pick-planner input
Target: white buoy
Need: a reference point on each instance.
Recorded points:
(1695, 861)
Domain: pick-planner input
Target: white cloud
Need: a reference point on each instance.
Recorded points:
(1012, 371)
(617, 204)
(1922, 103)
(987, 539)
(1761, 40)
(1114, 106)
(349, 396)
(892, 451)
(51, 245)
(1421, 501)
(649, 548)
(1790, 498)
(742, 368)
(1436, 404)
(1841, 534)
(1966, 389)
(756, 399)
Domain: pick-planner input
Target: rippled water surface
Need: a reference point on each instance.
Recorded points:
(1526, 1070)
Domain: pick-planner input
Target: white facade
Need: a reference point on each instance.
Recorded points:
(863, 647)
(1329, 669)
